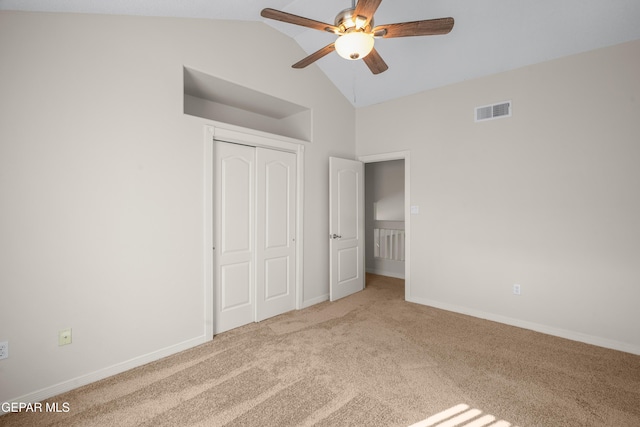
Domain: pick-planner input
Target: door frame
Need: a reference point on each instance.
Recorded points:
(406, 156)
(239, 135)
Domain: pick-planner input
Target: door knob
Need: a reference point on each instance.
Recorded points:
(335, 236)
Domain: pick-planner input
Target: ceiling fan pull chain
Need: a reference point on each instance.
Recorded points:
(355, 99)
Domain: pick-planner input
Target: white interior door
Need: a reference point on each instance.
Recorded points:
(346, 227)
(275, 233)
(235, 235)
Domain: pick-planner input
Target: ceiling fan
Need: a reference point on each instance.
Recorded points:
(356, 32)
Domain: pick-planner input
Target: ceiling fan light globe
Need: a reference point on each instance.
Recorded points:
(354, 45)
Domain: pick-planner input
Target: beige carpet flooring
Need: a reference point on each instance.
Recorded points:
(370, 359)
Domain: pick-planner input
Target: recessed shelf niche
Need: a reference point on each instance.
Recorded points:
(215, 99)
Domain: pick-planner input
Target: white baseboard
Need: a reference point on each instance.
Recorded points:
(118, 368)
(549, 330)
(82, 380)
(314, 301)
(385, 273)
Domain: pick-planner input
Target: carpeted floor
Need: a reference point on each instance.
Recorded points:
(370, 359)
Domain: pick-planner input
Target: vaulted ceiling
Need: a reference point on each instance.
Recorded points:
(488, 37)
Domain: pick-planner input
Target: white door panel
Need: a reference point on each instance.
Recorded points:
(275, 270)
(346, 227)
(237, 292)
(235, 193)
(277, 203)
(236, 176)
(348, 264)
(276, 249)
(347, 208)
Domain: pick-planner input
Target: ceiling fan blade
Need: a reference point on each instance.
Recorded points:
(315, 56)
(290, 18)
(375, 62)
(427, 27)
(367, 8)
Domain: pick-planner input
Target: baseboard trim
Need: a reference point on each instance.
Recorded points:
(63, 387)
(314, 301)
(537, 327)
(385, 273)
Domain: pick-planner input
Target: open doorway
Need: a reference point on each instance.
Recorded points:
(384, 218)
(387, 216)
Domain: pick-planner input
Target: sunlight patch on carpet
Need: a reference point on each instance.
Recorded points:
(462, 415)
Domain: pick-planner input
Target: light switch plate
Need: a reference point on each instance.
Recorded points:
(4, 349)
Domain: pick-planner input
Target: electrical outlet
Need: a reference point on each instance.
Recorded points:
(4, 349)
(516, 289)
(64, 337)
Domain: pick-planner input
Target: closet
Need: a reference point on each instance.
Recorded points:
(254, 234)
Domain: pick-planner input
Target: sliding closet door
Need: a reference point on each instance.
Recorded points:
(255, 234)
(235, 235)
(275, 233)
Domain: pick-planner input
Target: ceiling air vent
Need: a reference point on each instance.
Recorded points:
(494, 111)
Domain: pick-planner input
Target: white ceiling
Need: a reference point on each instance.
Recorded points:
(488, 37)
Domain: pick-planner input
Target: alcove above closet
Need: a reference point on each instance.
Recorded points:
(212, 98)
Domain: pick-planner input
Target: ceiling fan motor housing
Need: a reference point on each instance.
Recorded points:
(347, 21)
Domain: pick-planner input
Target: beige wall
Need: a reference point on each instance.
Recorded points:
(548, 198)
(102, 185)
